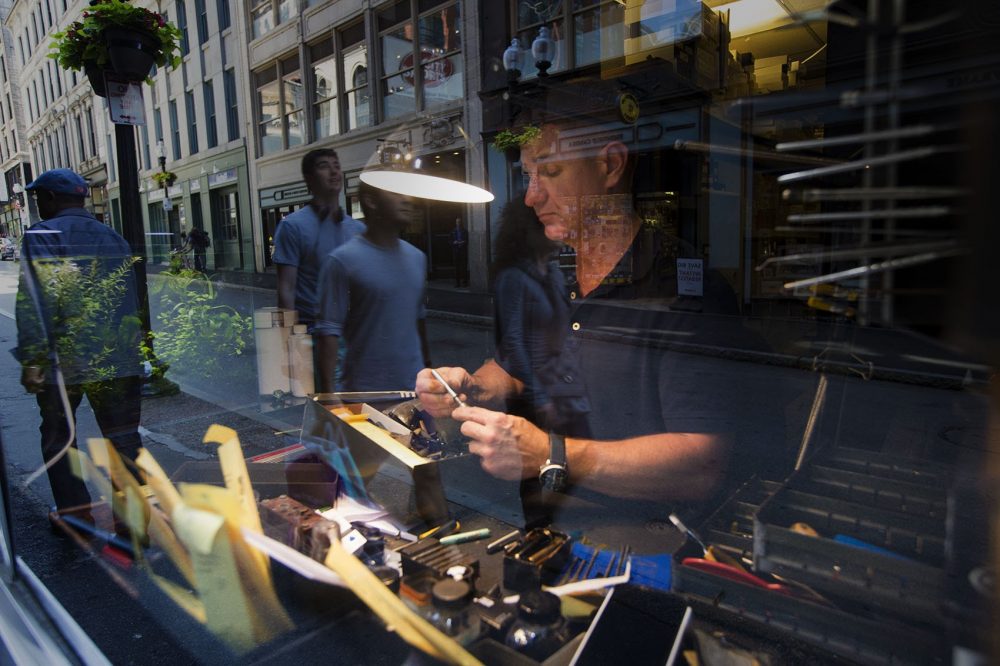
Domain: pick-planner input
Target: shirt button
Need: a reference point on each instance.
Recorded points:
(568, 379)
(572, 295)
(576, 326)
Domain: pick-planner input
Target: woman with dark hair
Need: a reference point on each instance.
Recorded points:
(532, 322)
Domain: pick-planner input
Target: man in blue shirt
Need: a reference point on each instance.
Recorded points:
(371, 293)
(78, 327)
(304, 239)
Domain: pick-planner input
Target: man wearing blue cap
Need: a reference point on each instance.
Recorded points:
(78, 327)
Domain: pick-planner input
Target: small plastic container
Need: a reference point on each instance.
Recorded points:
(540, 629)
(451, 610)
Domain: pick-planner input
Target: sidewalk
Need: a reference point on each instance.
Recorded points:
(812, 344)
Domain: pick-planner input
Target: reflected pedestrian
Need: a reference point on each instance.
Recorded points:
(532, 325)
(371, 293)
(200, 242)
(78, 328)
(460, 253)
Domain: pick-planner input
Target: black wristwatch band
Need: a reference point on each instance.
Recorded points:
(554, 474)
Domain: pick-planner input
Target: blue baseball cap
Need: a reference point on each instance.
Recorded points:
(60, 181)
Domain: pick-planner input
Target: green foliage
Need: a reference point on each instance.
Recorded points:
(82, 44)
(84, 300)
(194, 332)
(515, 138)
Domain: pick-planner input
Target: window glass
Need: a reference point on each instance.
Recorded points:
(294, 93)
(262, 19)
(324, 78)
(598, 33)
(397, 65)
(355, 72)
(269, 113)
(727, 337)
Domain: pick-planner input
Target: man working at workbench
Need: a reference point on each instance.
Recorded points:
(663, 424)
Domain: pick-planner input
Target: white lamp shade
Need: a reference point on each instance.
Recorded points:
(513, 56)
(423, 186)
(542, 47)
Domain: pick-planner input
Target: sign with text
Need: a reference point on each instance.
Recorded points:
(690, 281)
(124, 100)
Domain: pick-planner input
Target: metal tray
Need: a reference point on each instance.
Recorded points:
(902, 575)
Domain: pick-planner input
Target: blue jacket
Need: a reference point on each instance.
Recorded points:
(77, 300)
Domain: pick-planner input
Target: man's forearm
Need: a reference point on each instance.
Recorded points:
(666, 466)
(326, 353)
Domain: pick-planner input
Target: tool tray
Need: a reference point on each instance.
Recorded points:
(814, 627)
(899, 568)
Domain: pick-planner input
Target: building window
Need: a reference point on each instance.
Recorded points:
(182, 25)
(201, 10)
(294, 101)
(158, 124)
(262, 18)
(192, 119)
(595, 28)
(175, 130)
(232, 105)
(268, 111)
(432, 47)
(222, 8)
(90, 131)
(280, 110)
(326, 119)
(354, 56)
(144, 132)
(211, 129)
(441, 55)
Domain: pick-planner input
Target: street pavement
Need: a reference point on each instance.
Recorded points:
(888, 391)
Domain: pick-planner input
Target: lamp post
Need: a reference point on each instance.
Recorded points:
(542, 49)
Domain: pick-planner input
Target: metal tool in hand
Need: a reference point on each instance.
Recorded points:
(449, 389)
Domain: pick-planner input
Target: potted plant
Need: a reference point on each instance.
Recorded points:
(165, 179)
(510, 141)
(114, 34)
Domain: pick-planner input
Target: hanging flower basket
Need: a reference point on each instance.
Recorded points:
(165, 178)
(96, 77)
(114, 35)
(131, 52)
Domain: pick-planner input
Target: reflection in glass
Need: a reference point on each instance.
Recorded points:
(443, 80)
(440, 32)
(262, 19)
(268, 108)
(325, 98)
(599, 33)
(355, 59)
(397, 93)
(287, 9)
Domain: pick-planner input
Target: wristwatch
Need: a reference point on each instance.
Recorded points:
(554, 474)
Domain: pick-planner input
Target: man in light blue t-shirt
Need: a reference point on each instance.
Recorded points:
(371, 293)
(305, 238)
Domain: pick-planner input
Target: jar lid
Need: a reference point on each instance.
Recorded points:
(539, 607)
(451, 593)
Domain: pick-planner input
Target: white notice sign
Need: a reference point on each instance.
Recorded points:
(689, 277)
(125, 100)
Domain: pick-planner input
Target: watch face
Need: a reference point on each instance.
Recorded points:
(554, 478)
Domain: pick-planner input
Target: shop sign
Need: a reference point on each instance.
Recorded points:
(689, 277)
(277, 196)
(222, 177)
(435, 73)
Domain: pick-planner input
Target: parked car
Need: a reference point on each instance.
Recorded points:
(8, 250)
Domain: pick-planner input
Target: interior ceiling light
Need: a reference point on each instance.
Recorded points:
(749, 16)
(424, 186)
